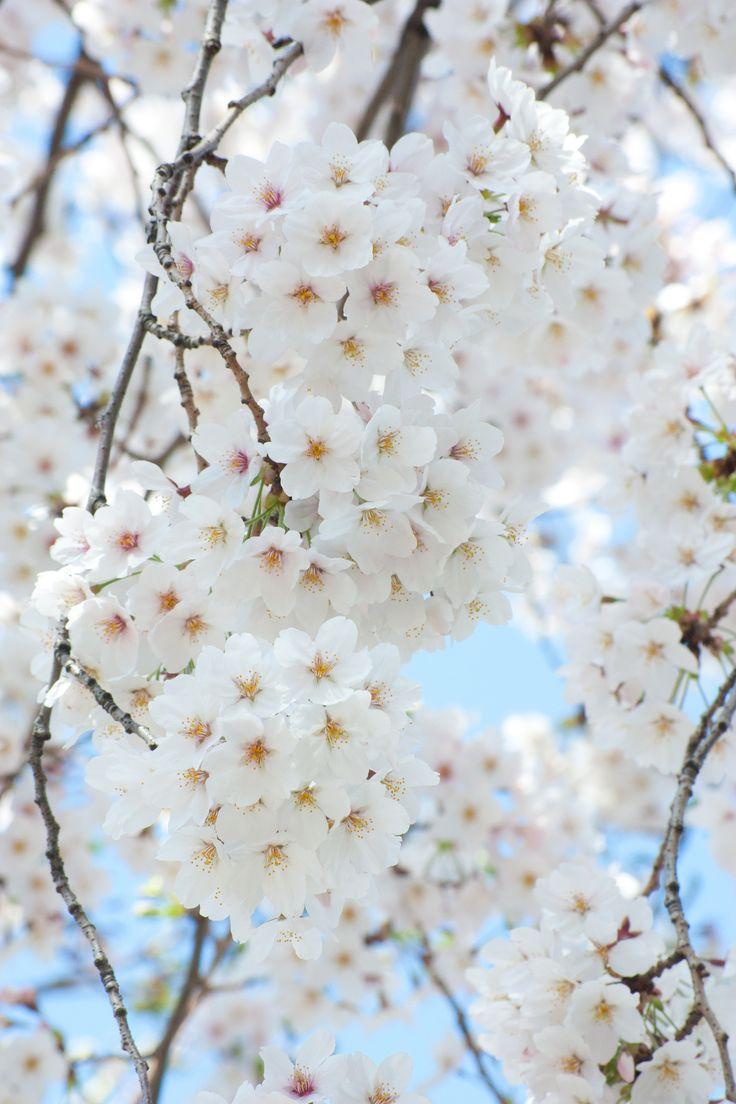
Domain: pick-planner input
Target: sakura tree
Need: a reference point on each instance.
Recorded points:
(335, 330)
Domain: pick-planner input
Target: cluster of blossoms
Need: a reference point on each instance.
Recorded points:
(470, 862)
(318, 1075)
(638, 649)
(148, 43)
(584, 1008)
(386, 303)
(284, 759)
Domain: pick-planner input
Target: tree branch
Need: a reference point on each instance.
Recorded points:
(175, 337)
(103, 697)
(41, 727)
(462, 1024)
(684, 96)
(191, 984)
(399, 82)
(37, 220)
(581, 59)
(60, 154)
(41, 734)
(707, 734)
(109, 417)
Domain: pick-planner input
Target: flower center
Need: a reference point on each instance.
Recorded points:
(387, 442)
(167, 599)
(383, 1094)
(357, 824)
(305, 295)
(333, 237)
(213, 534)
(352, 349)
(312, 578)
(333, 732)
(194, 626)
(255, 754)
(128, 541)
(322, 666)
(248, 686)
(270, 196)
(384, 295)
(334, 21)
(274, 858)
(197, 729)
(238, 462)
(272, 559)
(193, 777)
(316, 448)
(205, 857)
(477, 163)
(114, 626)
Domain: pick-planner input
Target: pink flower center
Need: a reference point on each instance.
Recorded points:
(128, 541)
(239, 461)
(302, 1083)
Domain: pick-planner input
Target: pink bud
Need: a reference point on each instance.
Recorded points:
(625, 1067)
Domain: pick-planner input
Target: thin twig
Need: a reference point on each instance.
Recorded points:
(41, 728)
(41, 734)
(684, 96)
(187, 993)
(188, 405)
(462, 1024)
(109, 417)
(175, 337)
(219, 338)
(63, 152)
(37, 219)
(103, 697)
(705, 737)
(583, 57)
(707, 734)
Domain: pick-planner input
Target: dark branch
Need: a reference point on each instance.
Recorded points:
(41, 734)
(399, 82)
(581, 60)
(684, 96)
(180, 1011)
(37, 220)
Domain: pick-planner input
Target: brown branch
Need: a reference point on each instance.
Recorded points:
(219, 338)
(703, 740)
(37, 220)
(41, 727)
(684, 96)
(694, 1017)
(399, 82)
(707, 734)
(188, 405)
(583, 57)
(642, 982)
(721, 610)
(109, 417)
(103, 697)
(124, 131)
(53, 160)
(207, 145)
(41, 734)
(187, 995)
(461, 1021)
(175, 337)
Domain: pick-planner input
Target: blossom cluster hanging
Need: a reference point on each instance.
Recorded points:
(350, 523)
(586, 1007)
